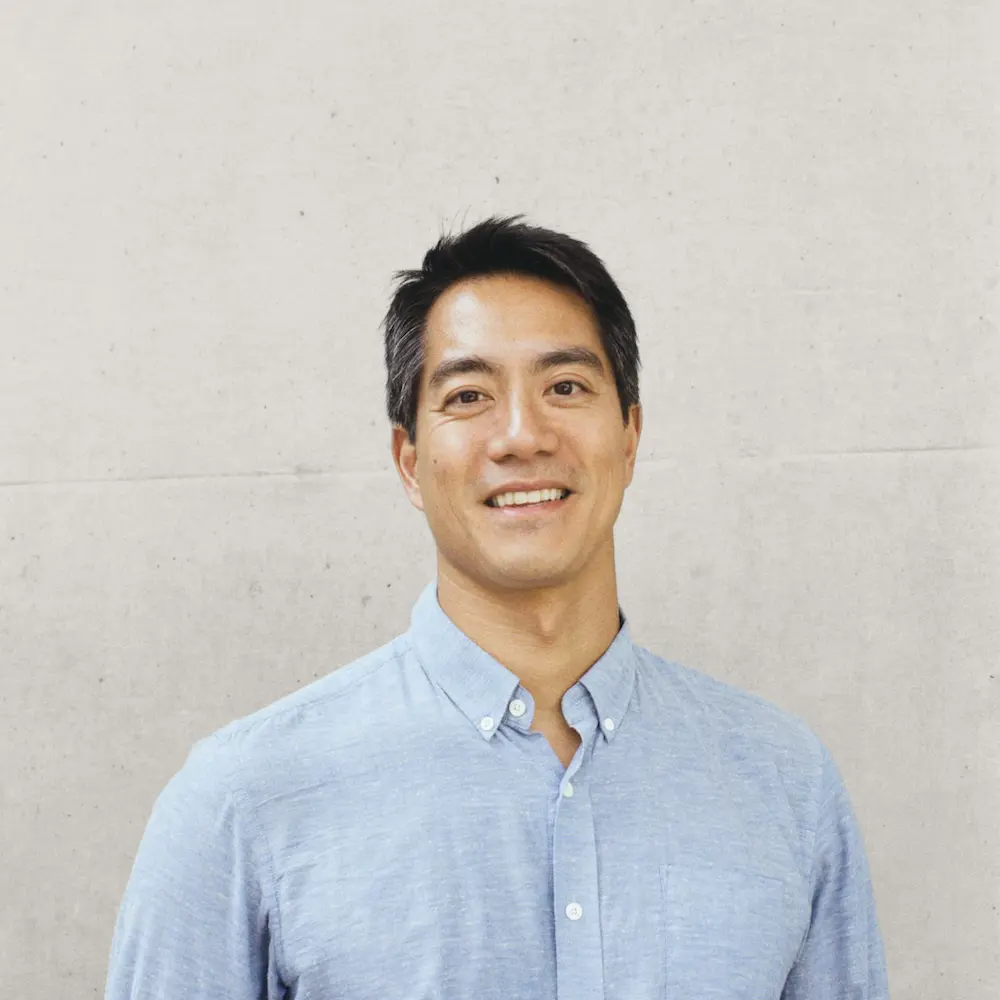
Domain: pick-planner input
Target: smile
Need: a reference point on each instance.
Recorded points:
(528, 510)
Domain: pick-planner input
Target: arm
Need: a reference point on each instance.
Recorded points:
(195, 919)
(841, 957)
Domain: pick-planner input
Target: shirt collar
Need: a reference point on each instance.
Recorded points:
(482, 687)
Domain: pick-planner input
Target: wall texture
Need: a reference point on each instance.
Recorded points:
(202, 205)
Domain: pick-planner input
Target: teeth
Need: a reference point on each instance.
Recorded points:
(536, 496)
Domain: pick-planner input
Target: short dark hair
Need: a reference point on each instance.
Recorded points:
(501, 246)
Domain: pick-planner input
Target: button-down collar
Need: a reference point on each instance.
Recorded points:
(482, 687)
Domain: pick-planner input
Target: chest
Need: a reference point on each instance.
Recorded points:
(561, 737)
(480, 878)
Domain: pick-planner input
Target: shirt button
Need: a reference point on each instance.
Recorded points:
(486, 724)
(609, 724)
(574, 911)
(568, 790)
(517, 708)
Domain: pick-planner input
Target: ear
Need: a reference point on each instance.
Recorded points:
(632, 434)
(404, 454)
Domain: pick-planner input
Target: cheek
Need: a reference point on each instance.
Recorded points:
(449, 443)
(443, 455)
(604, 451)
(445, 486)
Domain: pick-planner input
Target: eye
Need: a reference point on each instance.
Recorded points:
(570, 381)
(475, 392)
(464, 392)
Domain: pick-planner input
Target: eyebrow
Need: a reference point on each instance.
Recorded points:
(542, 363)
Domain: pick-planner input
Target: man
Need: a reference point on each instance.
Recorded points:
(512, 799)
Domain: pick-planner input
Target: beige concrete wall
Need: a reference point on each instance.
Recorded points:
(202, 205)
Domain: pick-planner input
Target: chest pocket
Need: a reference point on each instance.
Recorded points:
(731, 933)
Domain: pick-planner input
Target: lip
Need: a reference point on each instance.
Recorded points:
(541, 510)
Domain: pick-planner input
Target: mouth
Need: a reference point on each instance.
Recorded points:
(528, 510)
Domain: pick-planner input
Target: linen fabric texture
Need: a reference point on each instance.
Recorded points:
(397, 829)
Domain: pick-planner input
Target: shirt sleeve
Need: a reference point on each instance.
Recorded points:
(194, 923)
(841, 956)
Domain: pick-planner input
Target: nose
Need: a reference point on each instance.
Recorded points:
(522, 429)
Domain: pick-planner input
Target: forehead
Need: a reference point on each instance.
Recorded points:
(504, 312)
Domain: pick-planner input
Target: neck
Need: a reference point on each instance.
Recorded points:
(549, 637)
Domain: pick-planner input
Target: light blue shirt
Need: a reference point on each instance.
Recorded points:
(396, 831)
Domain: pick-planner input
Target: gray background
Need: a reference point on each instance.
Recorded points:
(202, 207)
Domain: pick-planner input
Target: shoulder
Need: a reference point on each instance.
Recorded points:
(285, 732)
(747, 725)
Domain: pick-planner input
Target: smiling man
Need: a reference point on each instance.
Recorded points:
(524, 456)
(512, 798)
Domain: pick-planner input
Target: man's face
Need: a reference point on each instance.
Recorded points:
(479, 431)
